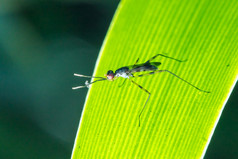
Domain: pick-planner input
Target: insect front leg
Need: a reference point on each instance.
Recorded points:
(122, 83)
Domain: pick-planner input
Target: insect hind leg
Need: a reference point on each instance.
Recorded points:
(160, 71)
(165, 57)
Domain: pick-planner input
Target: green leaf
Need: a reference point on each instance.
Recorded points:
(178, 120)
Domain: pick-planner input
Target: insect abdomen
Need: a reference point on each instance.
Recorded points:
(155, 63)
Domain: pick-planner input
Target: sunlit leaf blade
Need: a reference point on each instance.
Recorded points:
(179, 120)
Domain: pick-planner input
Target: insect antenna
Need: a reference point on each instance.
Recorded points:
(80, 75)
(87, 84)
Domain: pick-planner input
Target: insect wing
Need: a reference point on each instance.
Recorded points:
(144, 67)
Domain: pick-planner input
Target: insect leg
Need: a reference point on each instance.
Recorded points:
(159, 71)
(135, 63)
(122, 83)
(165, 57)
(146, 100)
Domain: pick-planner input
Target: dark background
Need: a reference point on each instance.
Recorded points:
(42, 43)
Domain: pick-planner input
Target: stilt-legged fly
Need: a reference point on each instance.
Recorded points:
(128, 72)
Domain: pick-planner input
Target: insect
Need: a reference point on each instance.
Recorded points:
(128, 72)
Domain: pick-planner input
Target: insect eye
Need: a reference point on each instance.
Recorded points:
(110, 75)
(110, 72)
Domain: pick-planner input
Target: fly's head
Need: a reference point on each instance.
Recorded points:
(110, 75)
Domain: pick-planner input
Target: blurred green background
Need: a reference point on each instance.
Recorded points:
(42, 43)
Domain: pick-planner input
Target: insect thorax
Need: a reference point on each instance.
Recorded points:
(123, 72)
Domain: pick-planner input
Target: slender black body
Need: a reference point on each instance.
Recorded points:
(128, 72)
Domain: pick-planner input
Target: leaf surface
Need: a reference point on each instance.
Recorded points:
(178, 120)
